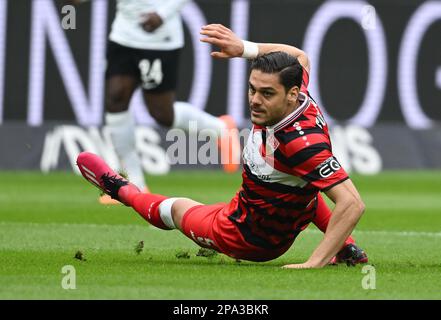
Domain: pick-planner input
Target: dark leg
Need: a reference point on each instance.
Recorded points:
(119, 91)
(160, 106)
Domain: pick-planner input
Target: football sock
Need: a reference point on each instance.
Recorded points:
(121, 126)
(165, 212)
(323, 215)
(184, 113)
(148, 206)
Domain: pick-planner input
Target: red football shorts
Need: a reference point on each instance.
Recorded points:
(209, 227)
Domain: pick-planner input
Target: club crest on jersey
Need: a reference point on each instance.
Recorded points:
(328, 167)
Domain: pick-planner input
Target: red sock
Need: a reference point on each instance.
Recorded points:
(147, 205)
(323, 215)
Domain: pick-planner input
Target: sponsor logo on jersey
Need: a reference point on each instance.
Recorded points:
(328, 167)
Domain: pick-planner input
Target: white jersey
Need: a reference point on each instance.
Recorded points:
(127, 31)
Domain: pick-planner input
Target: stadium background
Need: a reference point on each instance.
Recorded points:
(51, 92)
(378, 70)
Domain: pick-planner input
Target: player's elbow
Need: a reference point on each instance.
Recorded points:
(361, 208)
(358, 207)
(304, 60)
(352, 208)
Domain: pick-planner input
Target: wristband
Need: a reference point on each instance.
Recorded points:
(250, 50)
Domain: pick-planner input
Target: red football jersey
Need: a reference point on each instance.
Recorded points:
(285, 166)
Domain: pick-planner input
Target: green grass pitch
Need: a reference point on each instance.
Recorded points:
(46, 219)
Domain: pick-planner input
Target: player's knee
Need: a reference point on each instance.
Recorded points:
(180, 208)
(177, 214)
(162, 115)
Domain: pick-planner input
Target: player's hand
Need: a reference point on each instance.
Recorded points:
(305, 265)
(151, 21)
(229, 43)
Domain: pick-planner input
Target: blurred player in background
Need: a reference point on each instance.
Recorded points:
(143, 50)
(288, 161)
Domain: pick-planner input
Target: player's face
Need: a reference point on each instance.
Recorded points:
(268, 100)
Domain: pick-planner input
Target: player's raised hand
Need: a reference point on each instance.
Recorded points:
(230, 45)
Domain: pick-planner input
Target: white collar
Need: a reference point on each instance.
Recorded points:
(292, 116)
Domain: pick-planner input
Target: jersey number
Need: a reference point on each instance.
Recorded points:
(151, 73)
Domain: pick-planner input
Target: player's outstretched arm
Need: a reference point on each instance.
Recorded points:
(347, 211)
(296, 52)
(231, 46)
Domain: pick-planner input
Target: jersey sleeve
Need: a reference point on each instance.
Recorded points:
(314, 162)
(305, 81)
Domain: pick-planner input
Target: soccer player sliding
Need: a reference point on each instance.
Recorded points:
(288, 161)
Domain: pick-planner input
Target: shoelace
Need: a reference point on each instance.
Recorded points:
(112, 184)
